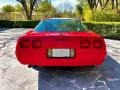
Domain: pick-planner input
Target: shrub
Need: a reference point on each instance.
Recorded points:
(6, 23)
(88, 15)
(106, 29)
(25, 24)
(18, 24)
(102, 16)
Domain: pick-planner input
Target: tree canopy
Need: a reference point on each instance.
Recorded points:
(8, 8)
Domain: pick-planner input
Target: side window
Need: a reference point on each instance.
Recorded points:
(40, 27)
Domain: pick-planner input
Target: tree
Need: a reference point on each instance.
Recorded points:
(93, 4)
(114, 4)
(65, 7)
(79, 9)
(19, 8)
(46, 9)
(29, 6)
(8, 8)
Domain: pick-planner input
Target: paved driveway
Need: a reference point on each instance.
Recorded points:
(14, 76)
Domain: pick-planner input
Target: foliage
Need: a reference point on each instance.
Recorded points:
(101, 16)
(94, 4)
(19, 8)
(46, 9)
(29, 6)
(114, 4)
(87, 13)
(65, 7)
(18, 24)
(79, 10)
(65, 14)
(101, 10)
(109, 16)
(106, 29)
(88, 10)
(8, 8)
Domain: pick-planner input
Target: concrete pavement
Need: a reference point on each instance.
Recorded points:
(14, 76)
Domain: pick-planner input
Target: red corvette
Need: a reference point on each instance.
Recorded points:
(61, 42)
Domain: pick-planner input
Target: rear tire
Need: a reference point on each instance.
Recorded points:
(92, 66)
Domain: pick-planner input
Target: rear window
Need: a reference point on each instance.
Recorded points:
(60, 25)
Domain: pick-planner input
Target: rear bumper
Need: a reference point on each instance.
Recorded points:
(81, 59)
(83, 56)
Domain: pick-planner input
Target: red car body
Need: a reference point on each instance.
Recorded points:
(89, 48)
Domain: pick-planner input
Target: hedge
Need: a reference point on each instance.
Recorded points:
(106, 29)
(18, 24)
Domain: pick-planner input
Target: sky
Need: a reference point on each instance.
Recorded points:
(57, 2)
(54, 2)
(5, 2)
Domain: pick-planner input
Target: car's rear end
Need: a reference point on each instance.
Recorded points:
(61, 49)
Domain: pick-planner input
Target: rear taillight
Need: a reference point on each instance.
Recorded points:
(84, 43)
(25, 43)
(36, 43)
(97, 44)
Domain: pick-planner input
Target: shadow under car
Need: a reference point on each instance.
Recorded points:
(104, 77)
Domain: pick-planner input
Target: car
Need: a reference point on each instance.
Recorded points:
(61, 42)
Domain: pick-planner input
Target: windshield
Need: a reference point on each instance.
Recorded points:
(60, 25)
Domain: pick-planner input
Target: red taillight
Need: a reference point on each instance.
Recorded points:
(84, 43)
(36, 43)
(25, 43)
(97, 44)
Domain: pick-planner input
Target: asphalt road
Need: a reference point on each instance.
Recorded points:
(14, 76)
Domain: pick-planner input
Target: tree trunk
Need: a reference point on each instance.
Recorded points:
(106, 3)
(28, 13)
(90, 2)
(101, 4)
(93, 4)
(117, 5)
(31, 8)
(26, 9)
(112, 1)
